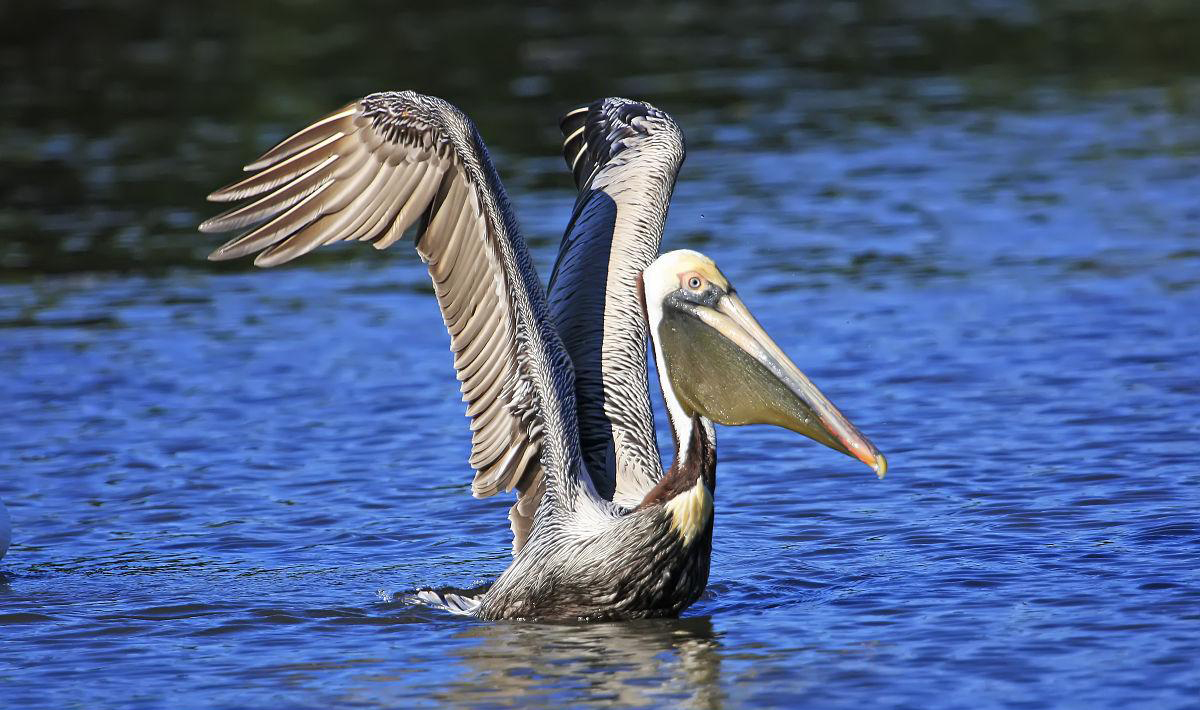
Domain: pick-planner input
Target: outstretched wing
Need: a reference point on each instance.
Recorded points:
(625, 156)
(368, 172)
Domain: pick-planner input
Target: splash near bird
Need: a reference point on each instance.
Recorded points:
(556, 380)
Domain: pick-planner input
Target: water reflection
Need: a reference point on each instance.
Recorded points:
(649, 663)
(674, 661)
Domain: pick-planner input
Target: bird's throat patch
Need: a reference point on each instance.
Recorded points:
(690, 511)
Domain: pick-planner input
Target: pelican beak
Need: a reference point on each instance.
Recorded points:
(736, 374)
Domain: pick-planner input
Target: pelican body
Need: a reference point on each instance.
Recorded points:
(555, 380)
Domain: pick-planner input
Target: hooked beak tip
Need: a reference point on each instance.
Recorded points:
(880, 466)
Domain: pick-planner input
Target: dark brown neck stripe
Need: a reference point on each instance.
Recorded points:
(699, 463)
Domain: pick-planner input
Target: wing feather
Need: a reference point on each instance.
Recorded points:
(311, 159)
(317, 132)
(624, 156)
(368, 172)
(276, 229)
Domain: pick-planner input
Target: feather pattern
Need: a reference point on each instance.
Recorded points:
(625, 156)
(369, 171)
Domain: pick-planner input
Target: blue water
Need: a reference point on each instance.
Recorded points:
(222, 482)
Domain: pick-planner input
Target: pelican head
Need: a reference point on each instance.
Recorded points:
(720, 363)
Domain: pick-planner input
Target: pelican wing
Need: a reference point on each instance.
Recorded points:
(368, 172)
(625, 156)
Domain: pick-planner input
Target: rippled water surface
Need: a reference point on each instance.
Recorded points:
(213, 474)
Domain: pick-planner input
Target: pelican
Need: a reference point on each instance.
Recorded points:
(555, 381)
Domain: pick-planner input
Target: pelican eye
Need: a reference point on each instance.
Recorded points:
(693, 281)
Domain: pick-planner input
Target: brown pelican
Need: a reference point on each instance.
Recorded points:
(555, 382)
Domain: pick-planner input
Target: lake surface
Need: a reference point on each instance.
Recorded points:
(222, 480)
